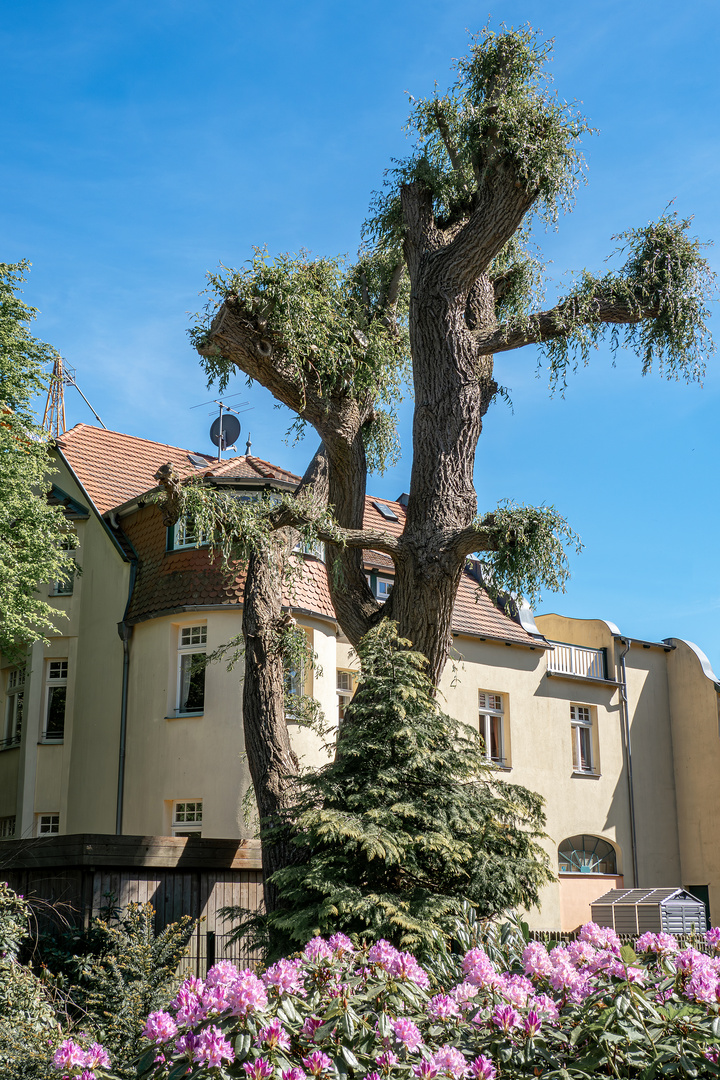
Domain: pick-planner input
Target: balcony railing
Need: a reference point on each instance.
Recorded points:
(575, 660)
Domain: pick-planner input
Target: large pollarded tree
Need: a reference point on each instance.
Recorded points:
(446, 278)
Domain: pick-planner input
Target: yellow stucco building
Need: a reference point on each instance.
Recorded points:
(113, 731)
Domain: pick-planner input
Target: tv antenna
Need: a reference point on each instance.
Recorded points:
(63, 375)
(225, 429)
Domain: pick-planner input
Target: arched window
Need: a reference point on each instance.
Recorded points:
(587, 855)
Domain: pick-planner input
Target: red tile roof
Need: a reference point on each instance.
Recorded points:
(114, 468)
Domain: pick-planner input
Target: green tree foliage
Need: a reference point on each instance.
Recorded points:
(407, 822)
(33, 535)
(28, 1009)
(122, 971)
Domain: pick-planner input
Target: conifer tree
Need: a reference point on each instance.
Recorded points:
(409, 821)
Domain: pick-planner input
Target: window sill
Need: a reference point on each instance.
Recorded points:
(10, 746)
(186, 715)
(587, 775)
(51, 742)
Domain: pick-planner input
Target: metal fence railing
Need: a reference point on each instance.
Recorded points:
(206, 948)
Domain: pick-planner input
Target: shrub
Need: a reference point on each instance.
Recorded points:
(507, 1007)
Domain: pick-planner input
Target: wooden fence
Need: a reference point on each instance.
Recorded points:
(75, 878)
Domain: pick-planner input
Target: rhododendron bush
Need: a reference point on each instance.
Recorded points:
(507, 1007)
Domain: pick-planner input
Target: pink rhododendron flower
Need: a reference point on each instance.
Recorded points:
(382, 953)
(505, 1017)
(69, 1055)
(187, 1002)
(656, 943)
(160, 1027)
(405, 966)
(536, 960)
(602, 937)
(387, 1059)
(478, 968)
(246, 995)
(581, 953)
(713, 936)
(482, 1068)
(212, 1048)
(317, 949)
(532, 1024)
(317, 1063)
(341, 943)
(442, 1007)
(426, 1070)
(463, 993)
(222, 974)
(259, 1069)
(97, 1057)
(287, 976)
(312, 1023)
(407, 1033)
(187, 1044)
(274, 1036)
(515, 988)
(545, 1006)
(450, 1060)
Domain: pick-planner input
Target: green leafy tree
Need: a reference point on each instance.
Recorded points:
(33, 535)
(408, 822)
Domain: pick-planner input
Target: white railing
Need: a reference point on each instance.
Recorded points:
(574, 660)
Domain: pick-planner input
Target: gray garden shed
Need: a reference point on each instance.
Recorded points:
(634, 911)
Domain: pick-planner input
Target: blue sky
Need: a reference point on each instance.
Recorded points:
(143, 144)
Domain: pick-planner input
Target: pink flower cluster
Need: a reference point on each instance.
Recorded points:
(70, 1057)
(656, 943)
(401, 965)
(700, 976)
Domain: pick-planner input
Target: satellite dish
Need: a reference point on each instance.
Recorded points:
(230, 431)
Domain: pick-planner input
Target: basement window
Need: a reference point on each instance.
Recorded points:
(187, 818)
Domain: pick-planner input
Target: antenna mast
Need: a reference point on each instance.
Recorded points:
(54, 415)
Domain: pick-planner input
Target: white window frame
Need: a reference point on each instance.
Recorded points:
(67, 586)
(316, 548)
(184, 537)
(383, 588)
(187, 817)
(192, 641)
(491, 707)
(47, 823)
(582, 723)
(345, 687)
(56, 676)
(8, 824)
(14, 703)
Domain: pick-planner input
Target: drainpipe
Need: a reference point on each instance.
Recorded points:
(628, 746)
(125, 632)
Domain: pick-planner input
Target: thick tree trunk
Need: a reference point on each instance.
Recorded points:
(273, 764)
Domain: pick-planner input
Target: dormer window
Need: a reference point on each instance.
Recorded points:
(185, 534)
